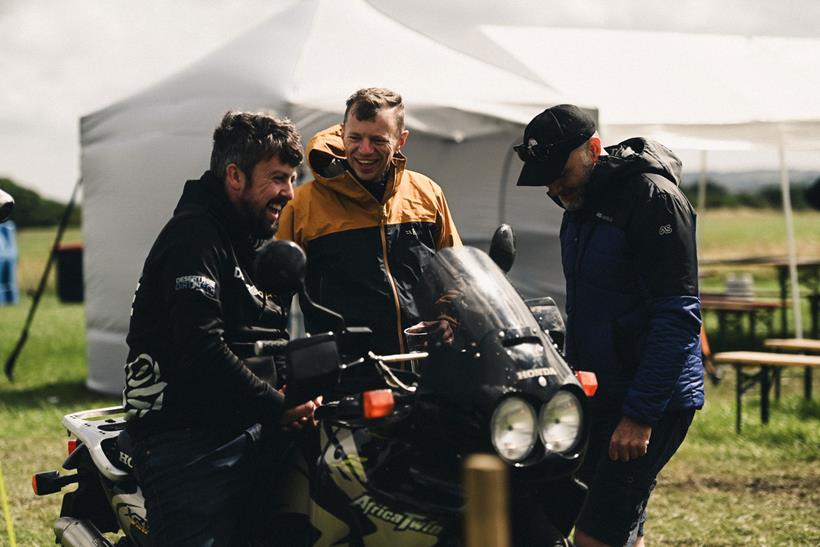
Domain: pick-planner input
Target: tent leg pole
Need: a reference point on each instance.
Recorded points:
(792, 249)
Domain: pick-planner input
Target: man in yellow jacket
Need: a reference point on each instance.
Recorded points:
(367, 224)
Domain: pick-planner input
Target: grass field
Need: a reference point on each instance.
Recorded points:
(760, 488)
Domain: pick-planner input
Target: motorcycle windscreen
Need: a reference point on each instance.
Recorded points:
(465, 286)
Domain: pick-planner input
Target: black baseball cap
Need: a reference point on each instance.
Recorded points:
(548, 141)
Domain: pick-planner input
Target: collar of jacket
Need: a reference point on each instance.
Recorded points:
(207, 195)
(326, 158)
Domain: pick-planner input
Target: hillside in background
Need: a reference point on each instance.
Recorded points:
(753, 189)
(31, 209)
(745, 181)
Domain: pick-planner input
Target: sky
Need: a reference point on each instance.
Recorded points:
(62, 59)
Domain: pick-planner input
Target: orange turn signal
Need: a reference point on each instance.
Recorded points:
(378, 403)
(588, 381)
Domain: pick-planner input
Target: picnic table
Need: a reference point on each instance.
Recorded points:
(765, 362)
(799, 345)
(808, 270)
(731, 312)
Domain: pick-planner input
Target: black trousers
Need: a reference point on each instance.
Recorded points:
(208, 487)
(615, 508)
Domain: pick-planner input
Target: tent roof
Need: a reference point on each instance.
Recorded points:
(303, 62)
(691, 90)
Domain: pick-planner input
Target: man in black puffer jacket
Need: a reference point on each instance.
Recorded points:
(195, 408)
(633, 309)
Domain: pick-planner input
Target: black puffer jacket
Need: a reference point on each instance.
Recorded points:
(194, 318)
(630, 263)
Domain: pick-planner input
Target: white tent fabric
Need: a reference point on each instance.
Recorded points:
(695, 91)
(464, 115)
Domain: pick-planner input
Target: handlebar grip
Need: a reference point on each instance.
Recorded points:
(269, 347)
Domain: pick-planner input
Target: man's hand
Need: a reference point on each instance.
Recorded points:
(438, 331)
(630, 440)
(301, 415)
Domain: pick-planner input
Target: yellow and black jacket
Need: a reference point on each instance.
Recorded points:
(365, 256)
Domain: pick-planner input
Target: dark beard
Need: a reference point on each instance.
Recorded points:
(256, 223)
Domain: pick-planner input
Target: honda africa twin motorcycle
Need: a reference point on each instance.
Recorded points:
(394, 430)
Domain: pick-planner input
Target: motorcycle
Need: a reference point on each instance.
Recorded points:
(393, 430)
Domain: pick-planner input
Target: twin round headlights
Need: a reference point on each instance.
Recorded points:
(514, 427)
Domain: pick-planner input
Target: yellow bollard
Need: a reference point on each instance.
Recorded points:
(486, 517)
(6, 511)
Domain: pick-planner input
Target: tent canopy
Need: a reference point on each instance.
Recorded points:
(695, 91)
(295, 64)
(464, 114)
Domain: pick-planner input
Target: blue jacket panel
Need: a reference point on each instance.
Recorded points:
(630, 263)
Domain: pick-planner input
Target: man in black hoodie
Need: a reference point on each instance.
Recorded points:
(195, 408)
(633, 310)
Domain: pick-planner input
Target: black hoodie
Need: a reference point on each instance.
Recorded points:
(195, 315)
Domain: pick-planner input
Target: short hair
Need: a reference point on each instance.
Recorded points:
(246, 138)
(367, 102)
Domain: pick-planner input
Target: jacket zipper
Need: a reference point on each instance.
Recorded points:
(383, 233)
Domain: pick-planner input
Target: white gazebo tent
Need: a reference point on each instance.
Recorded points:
(463, 114)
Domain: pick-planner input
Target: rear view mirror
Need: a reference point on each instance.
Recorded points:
(280, 267)
(502, 247)
(549, 318)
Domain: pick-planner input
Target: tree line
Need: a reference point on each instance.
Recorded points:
(31, 209)
(766, 197)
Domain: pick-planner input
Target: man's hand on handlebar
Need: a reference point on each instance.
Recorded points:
(301, 415)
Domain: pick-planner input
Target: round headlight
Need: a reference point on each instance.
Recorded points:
(513, 429)
(560, 422)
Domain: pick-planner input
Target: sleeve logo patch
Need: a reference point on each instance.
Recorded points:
(196, 283)
(665, 229)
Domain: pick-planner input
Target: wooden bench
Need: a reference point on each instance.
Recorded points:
(797, 345)
(766, 361)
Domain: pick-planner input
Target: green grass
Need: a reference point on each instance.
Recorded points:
(727, 233)
(49, 383)
(34, 245)
(759, 488)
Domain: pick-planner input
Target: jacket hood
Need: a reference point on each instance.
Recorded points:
(639, 156)
(328, 163)
(207, 196)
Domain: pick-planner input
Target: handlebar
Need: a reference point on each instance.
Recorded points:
(399, 357)
(263, 348)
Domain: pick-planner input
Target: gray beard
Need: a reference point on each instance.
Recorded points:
(574, 205)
